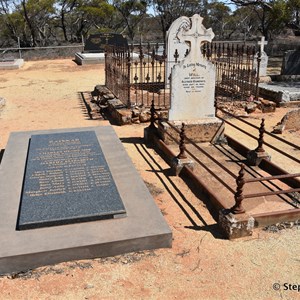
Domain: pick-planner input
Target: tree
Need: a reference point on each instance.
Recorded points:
(79, 17)
(169, 10)
(65, 7)
(132, 13)
(272, 14)
(37, 16)
(219, 18)
(293, 11)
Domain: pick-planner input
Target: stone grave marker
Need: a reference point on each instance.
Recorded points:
(67, 180)
(193, 79)
(175, 45)
(291, 63)
(94, 47)
(96, 42)
(263, 56)
(193, 86)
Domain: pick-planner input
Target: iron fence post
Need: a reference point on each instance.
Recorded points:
(257, 75)
(261, 137)
(128, 79)
(239, 196)
(182, 154)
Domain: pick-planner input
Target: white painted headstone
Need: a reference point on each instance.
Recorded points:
(193, 79)
(263, 56)
(173, 44)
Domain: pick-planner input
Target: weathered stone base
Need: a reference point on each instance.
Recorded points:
(235, 226)
(254, 158)
(119, 112)
(149, 133)
(199, 131)
(179, 163)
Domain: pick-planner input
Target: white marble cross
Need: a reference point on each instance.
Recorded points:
(262, 44)
(196, 35)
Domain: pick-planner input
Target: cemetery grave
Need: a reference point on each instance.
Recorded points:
(95, 45)
(199, 246)
(76, 191)
(11, 64)
(193, 77)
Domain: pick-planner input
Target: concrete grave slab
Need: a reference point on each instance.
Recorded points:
(89, 58)
(11, 64)
(143, 228)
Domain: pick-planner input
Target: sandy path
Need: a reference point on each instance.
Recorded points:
(45, 94)
(201, 264)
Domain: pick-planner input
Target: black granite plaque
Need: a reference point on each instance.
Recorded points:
(96, 42)
(67, 180)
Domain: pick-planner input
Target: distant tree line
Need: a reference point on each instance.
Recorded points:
(54, 22)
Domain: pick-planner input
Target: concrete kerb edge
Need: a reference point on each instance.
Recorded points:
(78, 241)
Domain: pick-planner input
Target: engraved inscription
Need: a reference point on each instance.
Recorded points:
(69, 166)
(67, 180)
(193, 82)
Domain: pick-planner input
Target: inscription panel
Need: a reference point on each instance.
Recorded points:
(67, 180)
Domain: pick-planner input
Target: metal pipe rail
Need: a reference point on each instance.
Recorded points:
(45, 47)
(267, 178)
(267, 144)
(256, 127)
(155, 120)
(241, 181)
(204, 152)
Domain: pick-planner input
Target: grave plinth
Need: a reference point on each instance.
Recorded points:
(199, 131)
(143, 227)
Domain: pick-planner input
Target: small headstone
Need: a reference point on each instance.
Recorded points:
(67, 180)
(175, 45)
(263, 58)
(291, 63)
(96, 42)
(193, 79)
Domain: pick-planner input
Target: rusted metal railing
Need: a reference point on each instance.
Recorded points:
(241, 181)
(236, 75)
(262, 132)
(182, 148)
(137, 75)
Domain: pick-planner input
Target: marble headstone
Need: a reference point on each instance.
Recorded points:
(193, 79)
(174, 43)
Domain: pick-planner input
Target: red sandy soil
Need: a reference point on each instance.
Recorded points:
(200, 265)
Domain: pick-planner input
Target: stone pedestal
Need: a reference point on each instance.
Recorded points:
(149, 133)
(202, 130)
(254, 158)
(235, 226)
(179, 163)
